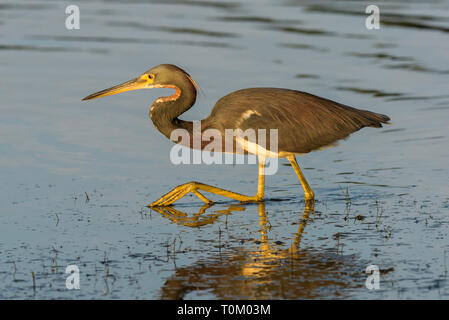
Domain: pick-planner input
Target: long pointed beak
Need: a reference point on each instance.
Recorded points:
(134, 84)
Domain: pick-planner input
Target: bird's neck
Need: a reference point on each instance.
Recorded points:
(165, 110)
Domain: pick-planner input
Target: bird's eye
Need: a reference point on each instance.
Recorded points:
(150, 76)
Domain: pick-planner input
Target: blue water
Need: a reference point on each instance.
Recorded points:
(76, 176)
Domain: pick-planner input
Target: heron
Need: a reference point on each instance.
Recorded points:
(305, 123)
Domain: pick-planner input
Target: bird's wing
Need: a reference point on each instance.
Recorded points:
(304, 122)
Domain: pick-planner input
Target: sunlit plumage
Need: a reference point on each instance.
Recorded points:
(305, 122)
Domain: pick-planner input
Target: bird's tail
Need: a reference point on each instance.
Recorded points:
(375, 119)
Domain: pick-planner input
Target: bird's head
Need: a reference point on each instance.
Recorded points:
(162, 76)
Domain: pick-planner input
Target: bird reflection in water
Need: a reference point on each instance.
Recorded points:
(201, 218)
(263, 272)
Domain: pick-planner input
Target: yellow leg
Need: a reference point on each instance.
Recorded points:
(261, 181)
(194, 187)
(308, 193)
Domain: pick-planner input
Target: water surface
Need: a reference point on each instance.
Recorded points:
(76, 176)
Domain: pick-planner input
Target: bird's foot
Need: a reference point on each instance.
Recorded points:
(179, 192)
(194, 187)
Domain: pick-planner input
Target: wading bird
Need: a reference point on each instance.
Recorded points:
(304, 122)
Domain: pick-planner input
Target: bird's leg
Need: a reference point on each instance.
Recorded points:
(261, 180)
(194, 187)
(308, 193)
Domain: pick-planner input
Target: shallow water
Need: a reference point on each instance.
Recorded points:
(76, 176)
